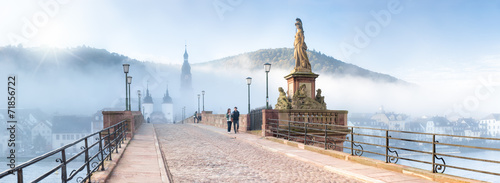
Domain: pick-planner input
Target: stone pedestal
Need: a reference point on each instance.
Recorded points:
(296, 79)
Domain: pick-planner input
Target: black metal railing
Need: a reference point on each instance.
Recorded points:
(392, 145)
(95, 149)
(256, 118)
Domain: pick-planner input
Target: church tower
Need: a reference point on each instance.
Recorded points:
(186, 73)
(167, 108)
(147, 106)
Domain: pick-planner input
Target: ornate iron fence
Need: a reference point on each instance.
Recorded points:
(94, 154)
(393, 145)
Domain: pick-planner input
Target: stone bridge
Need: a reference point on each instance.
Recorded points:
(202, 153)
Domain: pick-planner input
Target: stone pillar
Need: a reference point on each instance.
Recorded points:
(266, 115)
(294, 80)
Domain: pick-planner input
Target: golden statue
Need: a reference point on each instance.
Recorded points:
(300, 53)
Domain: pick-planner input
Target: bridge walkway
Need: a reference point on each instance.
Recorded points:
(141, 161)
(202, 153)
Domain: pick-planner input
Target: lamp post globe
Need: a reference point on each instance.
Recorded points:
(267, 68)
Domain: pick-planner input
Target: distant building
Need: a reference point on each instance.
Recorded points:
(97, 122)
(491, 124)
(439, 125)
(392, 120)
(147, 105)
(168, 108)
(67, 129)
(186, 85)
(466, 127)
(41, 135)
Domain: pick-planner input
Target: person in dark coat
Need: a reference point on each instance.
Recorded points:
(236, 118)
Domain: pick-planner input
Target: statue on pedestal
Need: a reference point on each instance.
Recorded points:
(300, 50)
(283, 102)
(320, 99)
(300, 100)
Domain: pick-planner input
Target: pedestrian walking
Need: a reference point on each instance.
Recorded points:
(229, 120)
(195, 117)
(236, 117)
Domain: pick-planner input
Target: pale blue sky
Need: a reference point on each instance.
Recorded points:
(424, 42)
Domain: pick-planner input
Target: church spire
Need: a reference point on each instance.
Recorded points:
(148, 98)
(166, 97)
(185, 53)
(185, 73)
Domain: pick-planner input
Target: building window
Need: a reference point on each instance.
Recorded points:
(57, 137)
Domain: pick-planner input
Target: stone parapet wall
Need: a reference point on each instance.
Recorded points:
(134, 120)
(219, 120)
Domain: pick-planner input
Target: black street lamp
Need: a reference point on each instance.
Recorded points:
(139, 96)
(125, 70)
(198, 103)
(267, 68)
(203, 99)
(129, 81)
(249, 81)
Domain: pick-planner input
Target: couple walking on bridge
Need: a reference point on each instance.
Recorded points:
(233, 117)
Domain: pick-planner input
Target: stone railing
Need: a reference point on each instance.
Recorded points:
(219, 120)
(134, 119)
(333, 117)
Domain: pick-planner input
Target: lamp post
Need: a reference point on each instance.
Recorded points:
(184, 113)
(139, 96)
(267, 68)
(129, 81)
(249, 81)
(198, 103)
(203, 99)
(125, 70)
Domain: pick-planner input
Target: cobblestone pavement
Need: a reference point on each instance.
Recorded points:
(198, 155)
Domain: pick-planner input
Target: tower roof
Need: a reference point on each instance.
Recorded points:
(185, 52)
(167, 98)
(148, 98)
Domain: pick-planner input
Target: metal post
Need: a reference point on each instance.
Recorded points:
(101, 151)
(433, 153)
(288, 130)
(305, 135)
(63, 167)
(203, 100)
(129, 98)
(326, 135)
(248, 99)
(139, 96)
(387, 146)
(352, 141)
(109, 146)
(126, 93)
(115, 139)
(20, 176)
(267, 95)
(198, 104)
(87, 158)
